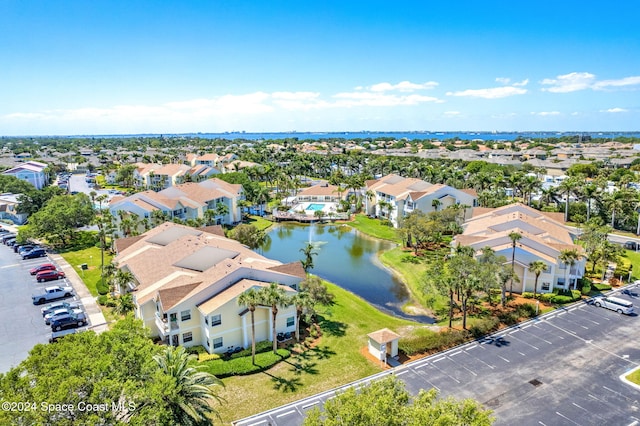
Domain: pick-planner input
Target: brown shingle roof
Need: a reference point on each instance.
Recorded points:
(169, 297)
(293, 268)
(383, 336)
(123, 243)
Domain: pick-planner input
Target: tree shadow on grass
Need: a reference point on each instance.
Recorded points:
(332, 328)
(321, 352)
(284, 385)
(301, 365)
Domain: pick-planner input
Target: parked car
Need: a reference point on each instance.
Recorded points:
(36, 252)
(55, 335)
(59, 313)
(59, 305)
(631, 245)
(7, 236)
(68, 321)
(49, 275)
(615, 304)
(44, 267)
(24, 248)
(52, 293)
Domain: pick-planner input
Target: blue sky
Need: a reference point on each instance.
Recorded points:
(135, 66)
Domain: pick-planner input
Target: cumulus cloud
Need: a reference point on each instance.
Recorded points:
(614, 110)
(569, 82)
(506, 81)
(490, 93)
(403, 86)
(575, 81)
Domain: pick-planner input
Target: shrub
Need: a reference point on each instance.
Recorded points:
(484, 326)
(546, 297)
(508, 318)
(408, 258)
(527, 295)
(586, 289)
(102, 287)
(196, 350)
(102, 300)
(386, 222)
(207, 357)
(431, 342)
(601, 287)
(561, 299)
(526, 310)
(242, 365)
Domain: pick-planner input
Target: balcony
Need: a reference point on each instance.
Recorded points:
(165, 326)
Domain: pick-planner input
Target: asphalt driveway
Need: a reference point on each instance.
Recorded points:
(560, 369)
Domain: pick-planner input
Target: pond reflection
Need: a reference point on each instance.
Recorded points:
(345, 257)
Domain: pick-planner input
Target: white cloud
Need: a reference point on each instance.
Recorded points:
(503, 80)
(614, 110)
(627, 81)
(403, 86)
(490, 93)
(522, 83)
(569, 82)
(351, 99)
(546, 113)
(575, 81)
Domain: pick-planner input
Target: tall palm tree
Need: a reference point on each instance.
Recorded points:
(251, 300)
(537, 267)
(273, 296)
(569, 257)
(515, 237)
(567, 187)
(307, 251)
(191, 401)
(302, 301)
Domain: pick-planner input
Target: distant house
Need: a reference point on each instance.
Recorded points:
(543, 237)
(187, 283)
(9, 209)
(394, 196)
(159, 176)
(322, 192)
(32, 172)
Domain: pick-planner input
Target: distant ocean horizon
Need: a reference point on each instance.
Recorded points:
(410, 135)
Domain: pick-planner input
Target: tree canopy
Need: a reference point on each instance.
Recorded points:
(86, 378)
(387, 402)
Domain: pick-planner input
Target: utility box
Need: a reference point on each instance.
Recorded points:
(84, 266)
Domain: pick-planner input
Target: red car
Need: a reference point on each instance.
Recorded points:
(45, 267)
(49, 275)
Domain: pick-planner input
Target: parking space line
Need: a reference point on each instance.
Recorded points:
(10, 266)
(285, 413)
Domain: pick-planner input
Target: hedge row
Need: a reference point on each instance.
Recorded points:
(242, 366)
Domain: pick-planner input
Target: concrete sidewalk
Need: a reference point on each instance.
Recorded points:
(96, 319)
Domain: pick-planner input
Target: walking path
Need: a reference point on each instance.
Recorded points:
(96, 319)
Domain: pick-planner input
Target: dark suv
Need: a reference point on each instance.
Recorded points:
(67, 321)
(32, 254)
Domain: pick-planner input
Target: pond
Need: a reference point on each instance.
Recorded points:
(345, 257)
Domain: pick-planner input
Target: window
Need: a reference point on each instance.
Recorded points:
(291, 321)
(217, 343)
(545, 286)
(185, 315)
(187, 337)
(216, 320)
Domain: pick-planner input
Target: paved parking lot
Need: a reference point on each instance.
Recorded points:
(560, 369)
(21, 322)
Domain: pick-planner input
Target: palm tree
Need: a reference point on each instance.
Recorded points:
(307, 262)
(537, 267)
(273, 296)
(567, 187)
(436, 204)
(514, 237)
(569, 257)
(251, 300)
(190, 401)
(303, 301)
(124, 304)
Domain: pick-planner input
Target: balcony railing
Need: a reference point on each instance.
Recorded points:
(165, 326)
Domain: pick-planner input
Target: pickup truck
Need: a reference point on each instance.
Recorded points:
(58, 313)
(51, 293)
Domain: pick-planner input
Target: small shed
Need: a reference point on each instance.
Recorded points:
(383, 343)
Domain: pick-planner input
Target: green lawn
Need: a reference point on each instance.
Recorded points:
(259, 222)
(334, 362)
(372, 227)
(90, 256)
(634, 377)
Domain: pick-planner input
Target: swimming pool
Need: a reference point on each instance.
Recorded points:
(314, 207)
